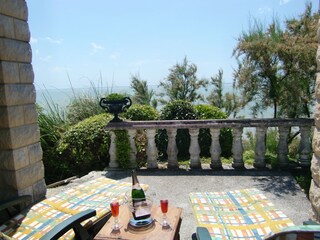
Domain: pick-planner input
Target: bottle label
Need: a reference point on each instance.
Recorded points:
(141, 210)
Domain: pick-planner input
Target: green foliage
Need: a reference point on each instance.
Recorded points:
(216, 96)
(123, 148)
(115, 96)
(52, 125)
(304, 180)
(182, 83)
(142, 95)
(225, 138)
(249, 142)
(84, 104)
(209, 112)
(176, 110)
(272, 141)
(277, 67)
(82, 107)
(141, 141)
(139, 112)
(85, 145)
(293, 148)
(248, 157)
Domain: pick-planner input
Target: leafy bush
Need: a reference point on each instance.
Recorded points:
(139, 112)
(293, 148)
(115, 96)
(248, 157)
(249, 142)
(85, 145)
(85, 104)
(122, 148)
(272, 141)
(176, 110)
(52, 124)
(82, 107)
(225, 138)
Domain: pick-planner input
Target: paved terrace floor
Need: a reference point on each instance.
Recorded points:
(279, 187)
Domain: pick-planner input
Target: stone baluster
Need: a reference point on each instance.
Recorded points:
(112, 151)
(194, 148)
(172, 149)
(260, 149)
(283, 146)
(133, 149)
(305, 147)
(215, 149)
(151, 149)
(237, 148)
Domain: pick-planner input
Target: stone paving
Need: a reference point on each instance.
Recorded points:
(175, 185)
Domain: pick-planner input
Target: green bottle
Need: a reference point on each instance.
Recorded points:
(139, 200)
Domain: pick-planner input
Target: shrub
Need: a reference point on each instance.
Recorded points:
(139, 112)
(82, 107)
(176, 110)
(225, 138)
(272, 141)
(293, 148)
(85, 104)
(115, 96)
(52, 124)
(85, 145)
(122, 148)
(248, 157)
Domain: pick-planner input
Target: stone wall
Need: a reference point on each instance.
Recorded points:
(315, 163)
(21, 166)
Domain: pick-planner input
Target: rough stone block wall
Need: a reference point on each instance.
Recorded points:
(315, 163)
(21, 166)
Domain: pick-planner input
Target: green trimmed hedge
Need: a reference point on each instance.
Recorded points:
(138, 112)
(85, 145)
(181, 110)
(211, 112)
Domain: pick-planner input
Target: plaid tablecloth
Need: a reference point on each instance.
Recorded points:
(240, 214)
(34, 222)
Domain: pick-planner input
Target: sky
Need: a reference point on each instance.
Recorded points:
(105, 42)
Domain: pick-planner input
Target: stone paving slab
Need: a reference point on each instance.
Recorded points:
(278, 186)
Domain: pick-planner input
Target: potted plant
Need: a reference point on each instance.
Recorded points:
(115, 103)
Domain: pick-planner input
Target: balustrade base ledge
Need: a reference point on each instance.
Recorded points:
(195, 166)
(173, 166)
(238, 165)
(259, 165)
(216, 166)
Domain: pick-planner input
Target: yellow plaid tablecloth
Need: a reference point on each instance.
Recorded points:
(240, 214)
(35, 221)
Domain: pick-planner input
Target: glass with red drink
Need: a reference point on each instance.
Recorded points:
(115, 213)
(164, 209)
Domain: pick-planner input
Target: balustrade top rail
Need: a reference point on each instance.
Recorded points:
(214, 123)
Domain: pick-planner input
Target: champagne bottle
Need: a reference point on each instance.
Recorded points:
(140, 206)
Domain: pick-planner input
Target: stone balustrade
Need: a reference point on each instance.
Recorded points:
(237, 125)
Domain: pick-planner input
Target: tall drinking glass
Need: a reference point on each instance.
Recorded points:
(164, 209)
(115, 213)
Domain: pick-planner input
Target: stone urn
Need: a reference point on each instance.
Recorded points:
(115, 107)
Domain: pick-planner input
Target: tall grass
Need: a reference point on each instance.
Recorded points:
(52, 124)
(85, 104)
(55, 121)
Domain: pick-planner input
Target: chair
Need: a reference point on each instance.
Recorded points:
(239, 214)
(302, 232)
(88, 204)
